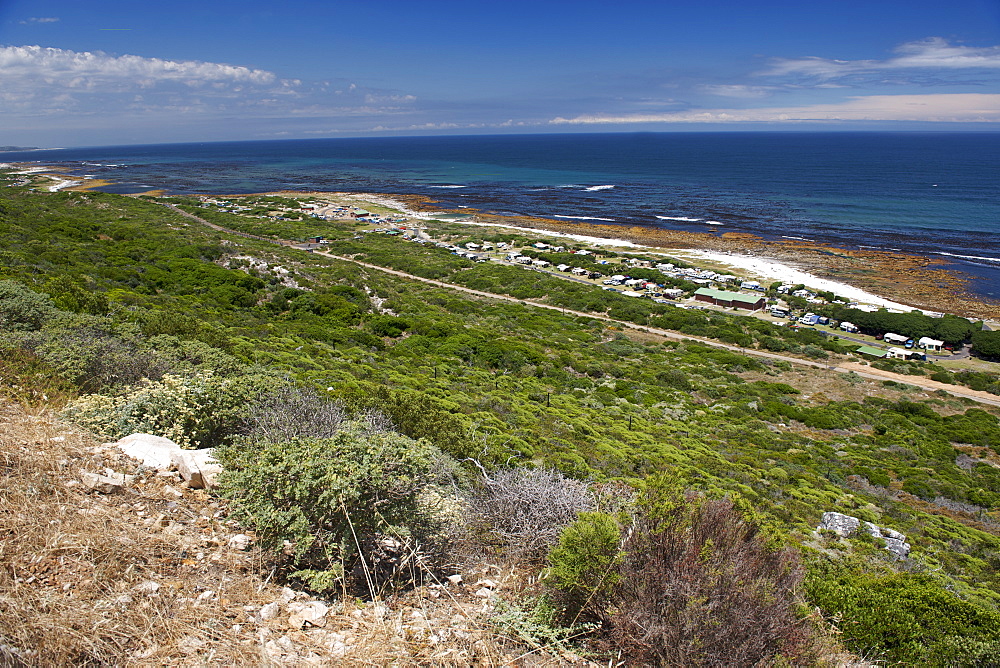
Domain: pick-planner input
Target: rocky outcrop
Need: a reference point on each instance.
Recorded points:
(845, 525)
(198, 467)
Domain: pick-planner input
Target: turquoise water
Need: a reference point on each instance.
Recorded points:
(936, 194)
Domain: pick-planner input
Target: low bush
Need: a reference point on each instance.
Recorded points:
(335, 500)
(906, 618)
(202, 410)
(521, 512)
(700, 586)
(583, 564)
(21, 309)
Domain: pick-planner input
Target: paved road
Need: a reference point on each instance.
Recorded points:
(845, 367)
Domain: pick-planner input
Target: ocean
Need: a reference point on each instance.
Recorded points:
(929, 193)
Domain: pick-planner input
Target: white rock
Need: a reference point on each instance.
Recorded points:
(269, 611)
(838, 523)
(484, 593)
(455, 579)
(153, 451)
(147, 587)
(240, 541)
(190, 644)
(102, 483)
(286, 595)
(198, 467)
(489, 584)
(312, 613)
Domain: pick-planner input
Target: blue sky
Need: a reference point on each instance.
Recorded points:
(122, 72)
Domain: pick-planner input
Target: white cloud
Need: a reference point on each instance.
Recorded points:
(39, 19)
(933, 53)
(80, 68)
(955, 108)
(49, 83)
(737, 90)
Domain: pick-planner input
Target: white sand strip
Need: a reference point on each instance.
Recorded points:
(63, 183)
(770, 270)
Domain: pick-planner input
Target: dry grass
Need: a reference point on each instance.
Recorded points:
(71, 560)
(146, 576)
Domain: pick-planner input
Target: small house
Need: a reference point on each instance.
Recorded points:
(930, 344)
(898, 339)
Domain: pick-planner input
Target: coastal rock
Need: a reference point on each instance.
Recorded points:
(155, 452)
(845, 525)
(269, 611)
(240, 541)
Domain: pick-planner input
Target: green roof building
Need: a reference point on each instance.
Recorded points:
(730, 299)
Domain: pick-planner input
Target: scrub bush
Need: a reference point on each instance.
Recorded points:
(202, 410)
(700, 586)
(333, 499)
(582, 565)
(521, 512)
(21, 309)
(906, 618)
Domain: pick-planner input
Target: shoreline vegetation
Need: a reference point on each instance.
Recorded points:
(881, 278)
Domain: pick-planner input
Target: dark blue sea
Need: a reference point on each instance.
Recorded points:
(935, 194)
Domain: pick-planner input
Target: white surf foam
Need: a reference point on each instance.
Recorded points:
(971, 257)
(593, 188)
(683, 219)
(448, 186)
(607, 220)
(713, 222)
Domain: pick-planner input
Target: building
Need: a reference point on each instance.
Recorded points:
(930, 344)
(894, 338)
(849, 327)
(872, 352)
(730, 299)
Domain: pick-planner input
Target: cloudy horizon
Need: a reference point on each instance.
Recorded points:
(94, 84)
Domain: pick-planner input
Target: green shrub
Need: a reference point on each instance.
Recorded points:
(21, 309)
(906, 618)
(582, 565)
(332, 498)
(535, 622)
(202, 410)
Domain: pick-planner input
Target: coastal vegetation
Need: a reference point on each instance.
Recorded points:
(351, 407)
